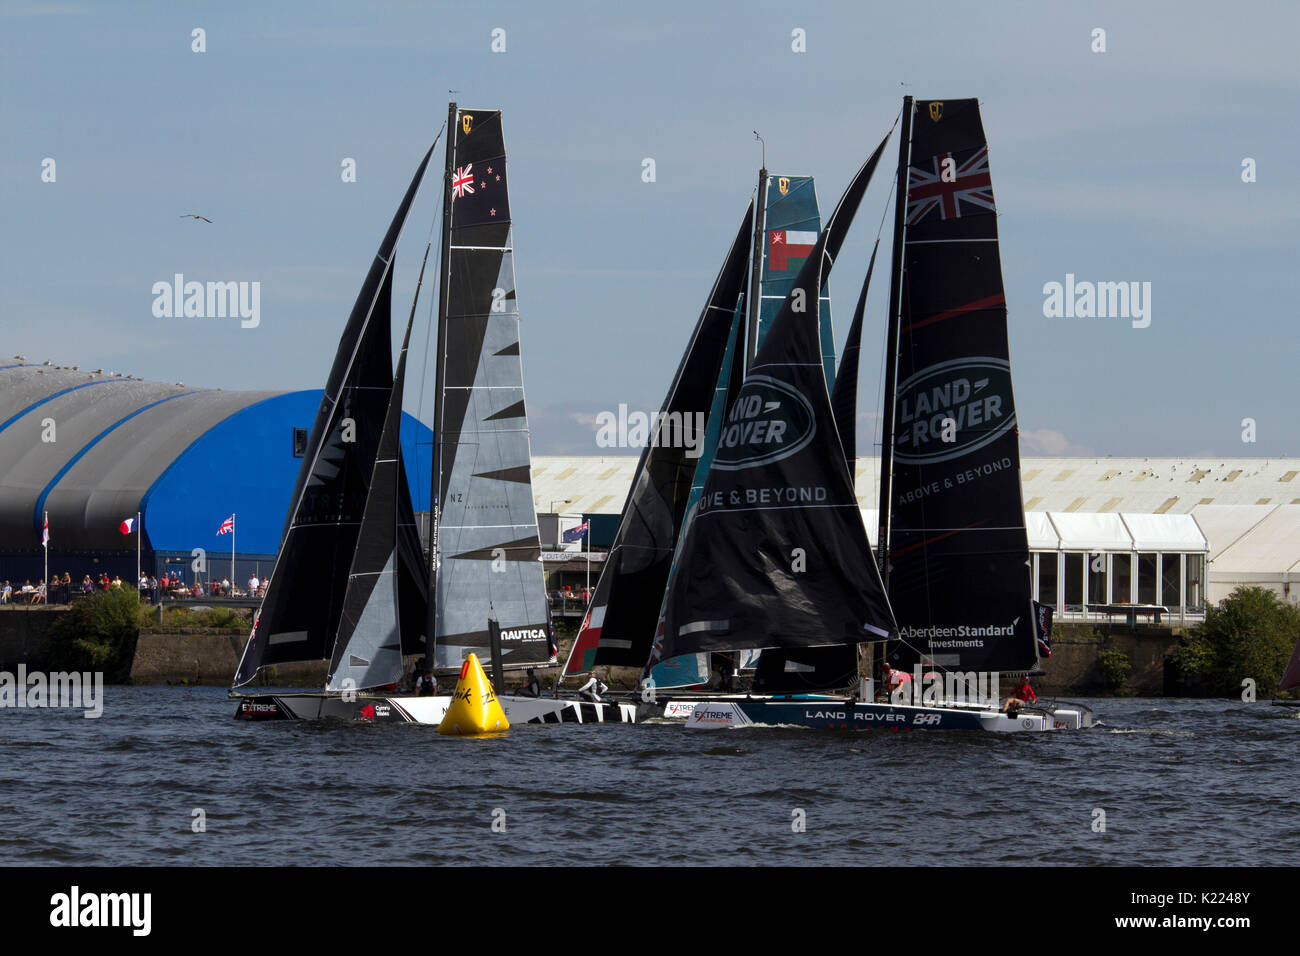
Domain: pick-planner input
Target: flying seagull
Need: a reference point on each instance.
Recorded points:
(194, 215)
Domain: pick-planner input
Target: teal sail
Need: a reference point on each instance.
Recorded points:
(691, 669)
(790, 230)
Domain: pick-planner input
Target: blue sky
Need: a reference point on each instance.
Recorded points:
(1123, 165)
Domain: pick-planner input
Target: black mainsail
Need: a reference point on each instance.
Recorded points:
(958, 571)
(844, 396)
(300, 614)
(384, 606)
(777, 555)
(486, 547)
(624, 613)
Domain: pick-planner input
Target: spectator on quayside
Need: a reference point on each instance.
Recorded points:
(532, 687)
(87, 585)
(5, 592)
(1023, 694)
(593, 688)
(252, 585)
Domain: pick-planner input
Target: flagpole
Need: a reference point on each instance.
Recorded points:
(45, 546)
(234, 581)
(137, 554)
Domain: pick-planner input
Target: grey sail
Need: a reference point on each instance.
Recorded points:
(368, 646)
(486, 544)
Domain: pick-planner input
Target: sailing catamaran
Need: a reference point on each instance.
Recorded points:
(775, 237)
(770, 552)
(350, 584)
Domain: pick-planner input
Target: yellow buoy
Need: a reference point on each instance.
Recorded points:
(474, 706)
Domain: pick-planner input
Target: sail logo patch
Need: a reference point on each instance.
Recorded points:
(783, 184)
(466, 120)
(951, 409)
(768, 422)
(936, 111)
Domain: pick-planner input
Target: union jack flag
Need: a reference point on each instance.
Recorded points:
(227, 526)
(968, 192)
(463, 181)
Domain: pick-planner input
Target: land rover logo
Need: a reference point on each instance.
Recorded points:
(972, 394)
(769, 421)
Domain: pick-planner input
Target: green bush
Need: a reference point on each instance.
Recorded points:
(1115, 667)
(98, 633)
(1250, 633)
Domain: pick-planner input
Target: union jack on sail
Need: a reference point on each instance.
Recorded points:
(463, 181)
(968, 193)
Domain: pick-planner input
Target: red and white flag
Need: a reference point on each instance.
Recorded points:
(127, 526)
(45, 534)
(227, 526)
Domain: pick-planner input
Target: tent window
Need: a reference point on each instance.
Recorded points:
(1146, 579)
(1121, 570)
(1195, 579)
(1047, 579)
(1171, 580)
(1074, 565)
(1097, 593)
(299, 442)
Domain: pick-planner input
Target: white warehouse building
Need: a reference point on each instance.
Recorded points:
(1177, 532)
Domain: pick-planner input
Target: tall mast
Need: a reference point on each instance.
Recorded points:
(756, 253)
(444, 291)
(891, 339)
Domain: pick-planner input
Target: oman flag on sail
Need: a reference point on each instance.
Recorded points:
(127, 526)
(787, 250)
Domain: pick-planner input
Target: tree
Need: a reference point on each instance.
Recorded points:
(1250, 633)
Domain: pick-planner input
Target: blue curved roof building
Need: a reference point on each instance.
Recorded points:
(92, 448)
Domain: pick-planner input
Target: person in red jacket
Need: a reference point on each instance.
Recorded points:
(1023, 694)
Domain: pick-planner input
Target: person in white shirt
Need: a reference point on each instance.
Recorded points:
(593, 688)
(252, 585)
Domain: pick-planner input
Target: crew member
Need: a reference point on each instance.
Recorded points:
(531, 687)
(894, 680)
(593, 688)
(1022, 694)
(428, 686)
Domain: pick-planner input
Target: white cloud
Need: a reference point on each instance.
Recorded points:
(1050, 443)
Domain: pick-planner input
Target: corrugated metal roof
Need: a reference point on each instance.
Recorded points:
(1082, 485)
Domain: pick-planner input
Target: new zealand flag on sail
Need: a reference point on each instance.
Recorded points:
(479, 194)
